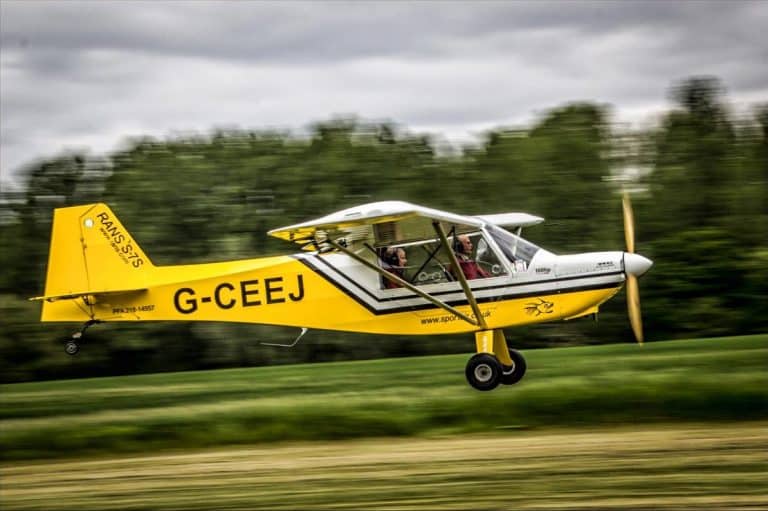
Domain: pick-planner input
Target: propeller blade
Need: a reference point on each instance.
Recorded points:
(633, 307)
(633, 291)
(629, 223)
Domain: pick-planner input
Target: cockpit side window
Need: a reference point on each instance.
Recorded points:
(425, 261)
(419, 263)
(430, 265)
(476, 257)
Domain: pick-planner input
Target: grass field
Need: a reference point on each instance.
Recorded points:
(674, 425)
(702, 467)
(693, 381)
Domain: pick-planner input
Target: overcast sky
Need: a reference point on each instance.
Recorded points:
(89, 74)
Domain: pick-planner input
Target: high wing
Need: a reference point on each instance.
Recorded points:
(418, 218)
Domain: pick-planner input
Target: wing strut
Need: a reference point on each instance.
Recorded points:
(394, 278)
(460, 275)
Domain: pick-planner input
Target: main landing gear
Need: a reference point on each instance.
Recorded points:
(72, 343)
(494, 363)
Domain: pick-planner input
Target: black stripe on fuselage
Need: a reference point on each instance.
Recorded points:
(474, 289)
(306, 261)
(497, 298)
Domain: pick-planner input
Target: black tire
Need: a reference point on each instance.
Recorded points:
(71, 347)
(484, 371)
(514, 373)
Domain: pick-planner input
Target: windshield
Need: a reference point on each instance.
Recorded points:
(514, 247)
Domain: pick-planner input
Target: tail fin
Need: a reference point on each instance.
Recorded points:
(92, 253)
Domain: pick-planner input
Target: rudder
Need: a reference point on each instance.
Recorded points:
(91, 252)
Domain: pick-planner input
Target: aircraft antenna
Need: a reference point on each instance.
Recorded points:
(291, 345)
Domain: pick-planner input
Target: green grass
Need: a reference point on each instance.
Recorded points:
(699, 380)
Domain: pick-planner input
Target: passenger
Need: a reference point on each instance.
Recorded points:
(469, 267)
(394, 262)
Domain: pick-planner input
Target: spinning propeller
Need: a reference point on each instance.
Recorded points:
(634, 266)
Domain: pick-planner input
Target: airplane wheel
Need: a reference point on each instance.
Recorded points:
(71, 347)
(484, 371)
(514, 373)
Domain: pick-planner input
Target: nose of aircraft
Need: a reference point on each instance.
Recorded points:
(635, 264)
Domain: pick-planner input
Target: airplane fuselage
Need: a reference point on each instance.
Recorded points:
(332, 292)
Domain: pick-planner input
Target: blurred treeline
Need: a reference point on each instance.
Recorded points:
(699, 183)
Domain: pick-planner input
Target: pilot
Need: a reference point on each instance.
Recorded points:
(469, 267)
(394, 262)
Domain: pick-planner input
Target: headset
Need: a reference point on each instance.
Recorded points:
(390, 257)
(457, 248)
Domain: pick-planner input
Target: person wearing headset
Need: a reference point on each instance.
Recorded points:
(395, 260)
(469, 267)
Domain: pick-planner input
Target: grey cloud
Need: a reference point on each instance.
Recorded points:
(301, 31)
(72, 70)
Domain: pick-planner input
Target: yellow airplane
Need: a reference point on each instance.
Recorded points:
(385, 267)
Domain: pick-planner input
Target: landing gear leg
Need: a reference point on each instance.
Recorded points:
(72, 343)
(494, 362)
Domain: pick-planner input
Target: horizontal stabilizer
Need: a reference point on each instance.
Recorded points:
(72, 296)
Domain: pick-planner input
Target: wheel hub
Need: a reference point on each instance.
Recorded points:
(483, 373)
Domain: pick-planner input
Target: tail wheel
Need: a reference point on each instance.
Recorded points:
(484, 371)
(71, 347)
(514, 373)
(72, 343)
